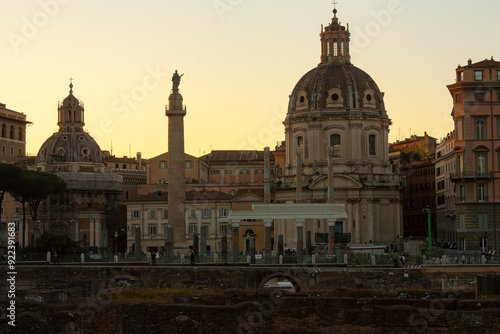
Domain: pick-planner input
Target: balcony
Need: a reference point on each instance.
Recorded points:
(472, 175)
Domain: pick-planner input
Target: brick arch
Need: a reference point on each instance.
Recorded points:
(296, 282)
(119, 277)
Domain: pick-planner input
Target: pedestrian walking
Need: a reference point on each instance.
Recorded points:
(463, 258)
(402, 259)
(56, 259)
(192, 257)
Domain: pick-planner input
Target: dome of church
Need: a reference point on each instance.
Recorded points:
(71, 143)
(336, 85)
(70, 147)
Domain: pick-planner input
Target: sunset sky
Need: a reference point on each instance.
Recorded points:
(240, 59)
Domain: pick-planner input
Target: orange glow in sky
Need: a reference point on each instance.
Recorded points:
(240, 59)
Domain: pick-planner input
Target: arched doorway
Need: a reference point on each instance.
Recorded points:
(249, 236)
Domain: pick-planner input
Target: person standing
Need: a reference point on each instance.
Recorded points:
(463, 258)
(402, 259)
(192, 257)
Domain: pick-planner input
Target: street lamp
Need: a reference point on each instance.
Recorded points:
(116, 238)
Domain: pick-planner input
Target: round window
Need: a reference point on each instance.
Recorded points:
(302, 99)
(368, 97)
(335, 96)
(85, 151)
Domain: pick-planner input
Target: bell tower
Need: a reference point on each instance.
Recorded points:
(335, 42)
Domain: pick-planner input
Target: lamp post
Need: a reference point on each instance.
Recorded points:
(116, 239)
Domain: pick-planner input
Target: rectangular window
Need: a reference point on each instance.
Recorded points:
(478, 75)
(244, 171)
(4, 149)
(460, 76)
(165, 214)
(498, 127)
(458, 97)
(163, 164)
(189, 164)
(483, 220)
(222, 212)
(461, 193)
(135, 214)
(259, 172)
(222, 227)
(152, 214)
(152, 229)
(163, 181)
(12, 150)
(193, 229)
(480, 127)
(206, 213)
(498, 75)
(482, 192)
(372, 141)
(458, 128)
(228, 172)
(214, 172)
(192, 213)
(440, 200)
(20, 152)
(460, 164)
(124, 166)
(481, 164)
(336, 143)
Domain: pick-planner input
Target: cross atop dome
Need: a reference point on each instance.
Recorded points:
(71, 85)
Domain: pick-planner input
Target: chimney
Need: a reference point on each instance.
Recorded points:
(139, 160)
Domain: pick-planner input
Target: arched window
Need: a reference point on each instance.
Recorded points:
(342, 47)
(20, 134)
(327, 48)
(372, 145)
(4, 131)
(12, 132)
(335, 48)
(336, 143)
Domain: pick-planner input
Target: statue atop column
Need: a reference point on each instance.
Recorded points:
(176, 79)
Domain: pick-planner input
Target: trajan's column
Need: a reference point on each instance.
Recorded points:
(175, 112)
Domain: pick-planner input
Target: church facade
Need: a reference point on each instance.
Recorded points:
(336, 111)
(88, 210)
